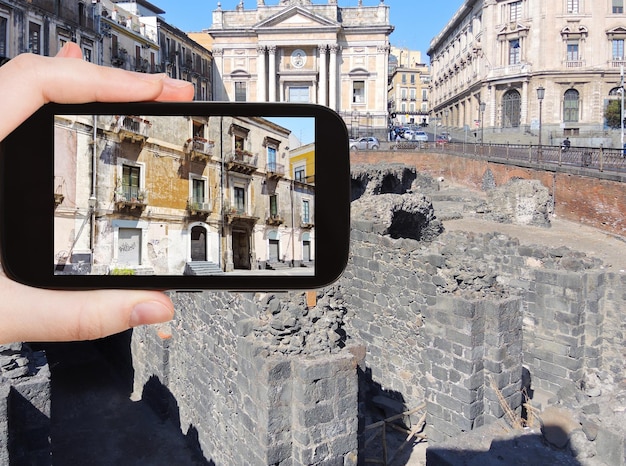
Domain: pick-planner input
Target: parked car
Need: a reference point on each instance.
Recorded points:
(417, 136)
(441, 140)
(364, 143)
(446, 136)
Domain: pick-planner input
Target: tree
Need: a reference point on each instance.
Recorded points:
(612, 113)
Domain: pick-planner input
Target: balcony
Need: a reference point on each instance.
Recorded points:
(617, 63)
(238, 214)
(574, 63)
(130, 199)
(196, 208)
(199, 149)
(274, 170)
(131, 128)
(241, 161)
(306, 224)
(275, 220)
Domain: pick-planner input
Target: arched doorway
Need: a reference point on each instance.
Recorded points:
(198, 243)
(511, 109)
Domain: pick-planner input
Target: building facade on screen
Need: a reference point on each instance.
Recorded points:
(500, 52)
(178, 195)
(298, 51)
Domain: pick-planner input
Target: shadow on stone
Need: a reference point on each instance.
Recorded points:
(377, 404)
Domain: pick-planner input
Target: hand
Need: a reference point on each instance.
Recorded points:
(30, 314)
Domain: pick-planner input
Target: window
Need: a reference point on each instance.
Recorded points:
(240, 199)
(403, 78)
(572, 51)
(618, 49)
(424, 94)
(571, 104)
(299, 174)
(306, 215)
(240, 91)
(573, 6)
(81, 14)
(403, 93)
(412, 94)
(87, 54)
(271, 159)
(198, 129)
(358, 92)
(3, 37)
(198, 191)
(514, 52)
(515, 11)
(618, 6)
(34, 38)
(412, 79)
(299, 94)
(130, 182)
(273, 205)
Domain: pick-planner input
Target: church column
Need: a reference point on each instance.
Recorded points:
(332, 81)
(323, 79)
(261, 74)
(272, 72)
(218, 74)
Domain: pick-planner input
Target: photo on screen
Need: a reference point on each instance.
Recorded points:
(184, 195)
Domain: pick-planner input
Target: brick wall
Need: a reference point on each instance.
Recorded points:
(585, 199)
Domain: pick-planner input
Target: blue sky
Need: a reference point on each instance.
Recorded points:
(416, 21)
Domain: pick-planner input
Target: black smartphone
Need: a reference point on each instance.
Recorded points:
(186, 196)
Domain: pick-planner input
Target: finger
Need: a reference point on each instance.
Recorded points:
(70, 50)
(31, 314)
(29, 81)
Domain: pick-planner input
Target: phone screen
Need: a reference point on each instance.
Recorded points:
(181, 195)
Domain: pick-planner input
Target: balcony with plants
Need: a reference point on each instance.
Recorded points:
(200, 149)
(130, 198)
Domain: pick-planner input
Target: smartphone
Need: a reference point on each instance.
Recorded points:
(184, 196)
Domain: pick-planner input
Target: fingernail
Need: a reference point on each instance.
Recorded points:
(150, 312)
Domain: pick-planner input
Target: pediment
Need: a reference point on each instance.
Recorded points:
(618, 32)
(295, 17)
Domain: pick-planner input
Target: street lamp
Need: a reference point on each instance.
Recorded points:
(541, 92)
(446, 112)
(483, 107)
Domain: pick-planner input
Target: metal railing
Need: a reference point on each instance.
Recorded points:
(592, 158)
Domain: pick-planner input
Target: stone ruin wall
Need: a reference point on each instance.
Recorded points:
(445, 320)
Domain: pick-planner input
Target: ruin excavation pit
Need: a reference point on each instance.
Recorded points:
(465, 325)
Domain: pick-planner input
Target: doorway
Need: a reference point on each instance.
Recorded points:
(198, 243)
(241, 250)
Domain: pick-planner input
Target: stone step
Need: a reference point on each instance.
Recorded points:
(202, 268)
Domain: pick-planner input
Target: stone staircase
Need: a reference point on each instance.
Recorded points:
(277, 265)
(202, 268)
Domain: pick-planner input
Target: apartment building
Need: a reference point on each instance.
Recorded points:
(409, 81)
(492, 57)
(171, 193)
(300, 51)
(43, 26)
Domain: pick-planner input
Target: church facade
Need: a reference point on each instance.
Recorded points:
(297, 51)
